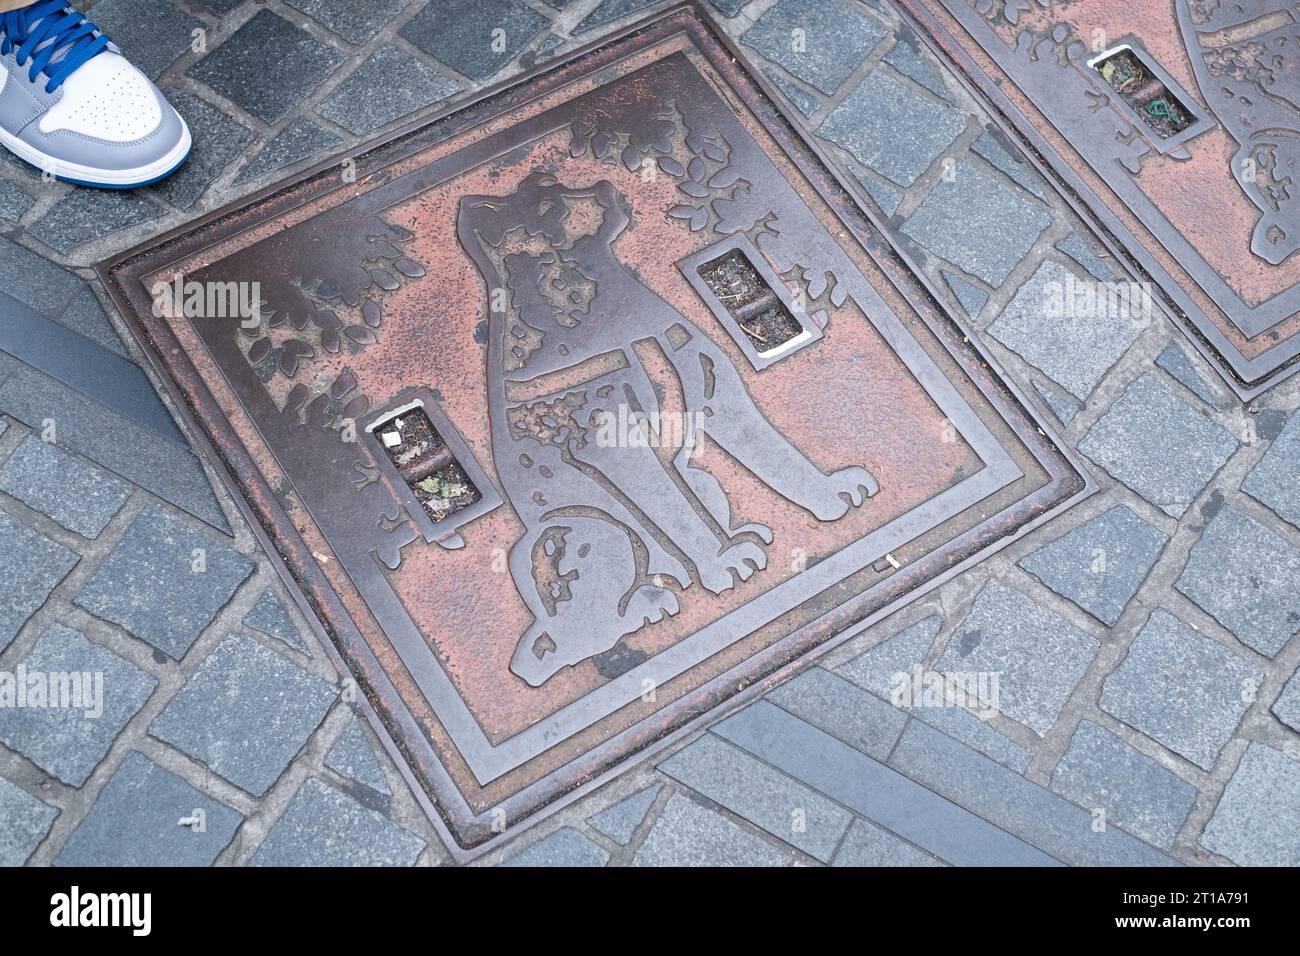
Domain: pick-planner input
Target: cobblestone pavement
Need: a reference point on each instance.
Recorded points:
(1148, 704)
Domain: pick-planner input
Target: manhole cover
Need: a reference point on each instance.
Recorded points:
(583, 409)
(1178, 124)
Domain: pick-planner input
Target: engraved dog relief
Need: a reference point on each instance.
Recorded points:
(573, 415)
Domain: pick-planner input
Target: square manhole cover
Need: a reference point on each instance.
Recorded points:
(584, 408)
(1178, 123)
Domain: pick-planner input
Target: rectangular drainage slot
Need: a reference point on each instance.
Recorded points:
(751, 302)
(426, 464)
(1143, 89)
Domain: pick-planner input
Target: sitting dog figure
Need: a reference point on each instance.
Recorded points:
(607, 523)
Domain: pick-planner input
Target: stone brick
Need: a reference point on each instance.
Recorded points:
(245, 714)
(1039, 655)
(620, 821)
(31, 565)
(868, 845)
(1257, 822)
(324, 827)
(75, 493)
(686, 834)
(565, 847)
(70, 741)
(1275, 480)
(1181, 688)
(820, 41)
(1075, 351)
(1101, 564)
(353, 21)
(841, 709)
(134, 822)
(978, 223)
(1158, 445)
(1245, 575)
(389, 85)
(26, 821)
(218, 142)
(1101, 772)
(238, 69)
(164, 582)
(152, 34)
(354, 758)
(869, 124)
(462, 33)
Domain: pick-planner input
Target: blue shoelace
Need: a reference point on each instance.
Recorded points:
(41, 31)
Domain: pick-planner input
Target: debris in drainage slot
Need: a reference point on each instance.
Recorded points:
(1129, 77)
(426, 464)
(758, 311)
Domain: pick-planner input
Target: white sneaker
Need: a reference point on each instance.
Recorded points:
(71, 104)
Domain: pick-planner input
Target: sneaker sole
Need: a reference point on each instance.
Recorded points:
(101, 178)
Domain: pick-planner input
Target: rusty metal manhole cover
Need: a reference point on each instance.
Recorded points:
(1178, 123)
(584, 408)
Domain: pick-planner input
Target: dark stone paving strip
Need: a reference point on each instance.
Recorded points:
(876, 791)
(1016, 804)
(115, 382)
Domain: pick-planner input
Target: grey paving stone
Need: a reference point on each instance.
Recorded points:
(875, 670)
(868, 845)
(238, 69)
(1175, 361)
(870, 124)
(1267, 423)
(85, 315)
(905, 56)
(1101, 564)
(245, 713)
(31, 565)
(35, 281)
(884, 195)
(993, 147)
(152, 34)
(1101, 772)
(354, 758)
(1038, 655)
(766, 798)
(76, 494)
(14, 201)
(1076, 350)
(461, 33)
(86, 214)
(1062, 406)
(1158, 445)
(26, 821)
(133, 451)
(135, 822)
(565, 847)
(300, 139)
(1287, 706)
(269, 616)
(803, 101)
(388, 85)
(978, 223)
(1016, 804)
(218, 141)
(1181, 688)
(687, 834)
(164, 582)
(620, 821)
(609, 11)
(962, 724)
(820, 41)
(1085, 253)
(1245, 575)
(728, 7)
(873, 790)
(1275, 480)
(971, 297)
(838, 707)
(70, 735)
(353, 21)
(323, 827)
(1257, 822)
